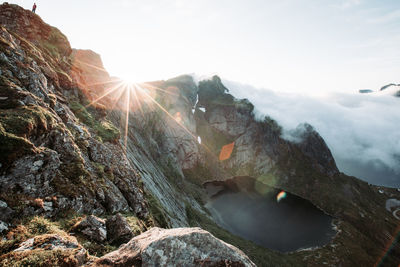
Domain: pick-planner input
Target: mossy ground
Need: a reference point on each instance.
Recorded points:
(34, 227)
(103, 128)
(42, 258)
(18, 126)
(158, 214)
(38, 225)
(28, 228)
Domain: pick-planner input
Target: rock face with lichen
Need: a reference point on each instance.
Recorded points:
(175, 247)
(53, 146)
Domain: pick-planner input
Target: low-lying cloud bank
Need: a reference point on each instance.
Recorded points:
(362, 130)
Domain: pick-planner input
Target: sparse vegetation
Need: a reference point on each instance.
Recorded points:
(269, 124)
(105, 129)
(19, 125)
(157, 211)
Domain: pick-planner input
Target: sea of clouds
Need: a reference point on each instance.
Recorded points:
(362, 130)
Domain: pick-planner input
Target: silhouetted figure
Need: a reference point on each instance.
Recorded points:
(34, 8)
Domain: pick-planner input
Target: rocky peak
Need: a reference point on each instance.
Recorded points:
(90, 75)
(186, 85)
(388, 85)
(32, 28)
(212, 89)
(314, 146)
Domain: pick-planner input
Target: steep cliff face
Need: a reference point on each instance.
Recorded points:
(54, 148)
(161, 143)
(257, 143)
(73, 140)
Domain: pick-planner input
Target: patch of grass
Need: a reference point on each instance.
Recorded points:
(137, 225)
(28, 228)
(13, 147)
(26, 121)
(197, 175)
(19, 125)
(104, 129)
(157, 211)
(94, 248)
(107, 131)
(42, 258)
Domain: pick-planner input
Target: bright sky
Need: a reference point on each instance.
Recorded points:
(307, 46)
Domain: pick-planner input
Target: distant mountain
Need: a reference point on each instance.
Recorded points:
(365, 91)
(389, 85)
(392, 89)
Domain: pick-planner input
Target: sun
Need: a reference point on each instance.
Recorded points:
(126, 77)
(128, 80)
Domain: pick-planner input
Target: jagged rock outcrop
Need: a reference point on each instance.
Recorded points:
(175, 247)
(93, 227)
(33, 28)
(313, 146)
(118, 230)
(258, 144)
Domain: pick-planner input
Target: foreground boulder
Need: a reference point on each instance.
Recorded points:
(46, 250)
(175, 247)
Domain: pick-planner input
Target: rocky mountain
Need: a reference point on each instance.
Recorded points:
(89, 162)
(391, 88)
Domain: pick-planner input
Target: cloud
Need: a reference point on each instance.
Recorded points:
(362, 130)
(386, 18)
(348, 3)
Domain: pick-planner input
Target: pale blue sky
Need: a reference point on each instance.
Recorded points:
(308, 46)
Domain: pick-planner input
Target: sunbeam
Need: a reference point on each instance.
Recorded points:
(116, 87)
(127, 116)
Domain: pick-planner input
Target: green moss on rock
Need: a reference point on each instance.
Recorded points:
(103, 128)
(157, 211)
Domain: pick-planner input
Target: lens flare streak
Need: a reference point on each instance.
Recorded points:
(226, 151)
(280, 196)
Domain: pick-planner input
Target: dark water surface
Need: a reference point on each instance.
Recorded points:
(288, 225)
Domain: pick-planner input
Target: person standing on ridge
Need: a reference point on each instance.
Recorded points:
(34, 8)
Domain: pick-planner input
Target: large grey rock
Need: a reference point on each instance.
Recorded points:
(6, 213)
(93, 227)
(175, 247)
(3, 205)
(3, 227)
